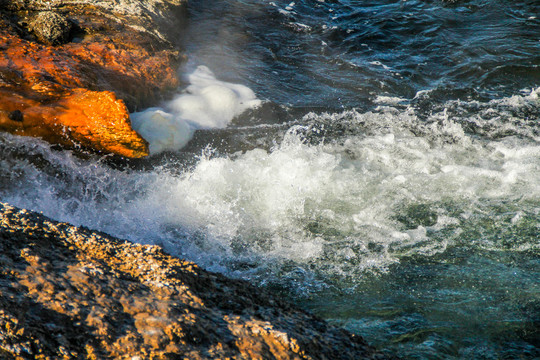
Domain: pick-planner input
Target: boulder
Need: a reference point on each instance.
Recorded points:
(51, 28)
(70, 293)
(96, 120)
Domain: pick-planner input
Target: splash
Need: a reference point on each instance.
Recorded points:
(339, 195)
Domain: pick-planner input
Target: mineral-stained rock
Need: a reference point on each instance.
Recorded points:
(121, 47)
(93, 119)
(71, 293)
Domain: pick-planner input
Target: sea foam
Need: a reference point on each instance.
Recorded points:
(205, 104)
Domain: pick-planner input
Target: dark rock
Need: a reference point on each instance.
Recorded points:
(16, 116)
(51, 28)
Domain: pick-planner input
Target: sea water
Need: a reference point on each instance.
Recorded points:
(375, 162)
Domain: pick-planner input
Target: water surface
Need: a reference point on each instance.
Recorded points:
(389, 182)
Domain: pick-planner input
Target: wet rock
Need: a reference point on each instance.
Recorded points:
(125, 47)
(70, 293)
(96, 120)
(51, 28)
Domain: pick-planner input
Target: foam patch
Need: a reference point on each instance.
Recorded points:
(206, 103)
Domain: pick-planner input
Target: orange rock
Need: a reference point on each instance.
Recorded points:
(91, 119)
(78, 94)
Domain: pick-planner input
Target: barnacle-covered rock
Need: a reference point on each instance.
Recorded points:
(70, 293)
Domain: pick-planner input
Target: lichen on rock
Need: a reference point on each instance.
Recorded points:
(51, 28)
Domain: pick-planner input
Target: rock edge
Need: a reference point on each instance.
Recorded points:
(67, 292)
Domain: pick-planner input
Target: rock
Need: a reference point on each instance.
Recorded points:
(51, 28)
(15, 116)
(96, 120)
(159, 18)
(125, 47)
(68, 292)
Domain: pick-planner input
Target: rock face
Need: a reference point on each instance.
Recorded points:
(70, 293)
(70, 70)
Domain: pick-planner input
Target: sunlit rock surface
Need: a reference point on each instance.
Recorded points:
(68, 292)
(60, 61)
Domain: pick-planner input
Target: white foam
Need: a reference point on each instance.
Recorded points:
(162, 130)
(205, 104)
(378, 63)
(334, 206)
(532, 95)
(389, 100)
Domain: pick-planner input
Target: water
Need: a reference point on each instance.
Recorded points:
(389, 182)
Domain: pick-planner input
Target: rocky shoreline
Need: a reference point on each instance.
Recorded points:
(70, 71)
(68, 292)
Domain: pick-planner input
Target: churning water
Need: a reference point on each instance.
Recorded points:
(387, 176)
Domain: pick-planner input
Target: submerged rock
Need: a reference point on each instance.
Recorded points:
(123, 47)
(67, 292)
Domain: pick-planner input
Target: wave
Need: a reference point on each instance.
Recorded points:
(337, 195)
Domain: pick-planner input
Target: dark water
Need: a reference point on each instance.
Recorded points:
(390, 181)
(344, 53)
